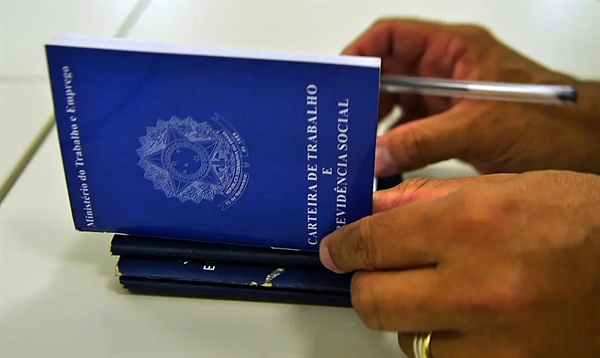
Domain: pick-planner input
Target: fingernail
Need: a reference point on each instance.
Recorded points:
(384, 165)
(374, 202)
(326, 260)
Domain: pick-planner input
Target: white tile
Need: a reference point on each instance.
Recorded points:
(24, 107)
(25, 26)
(563, 35)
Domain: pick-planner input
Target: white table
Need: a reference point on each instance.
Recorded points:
(59, 297)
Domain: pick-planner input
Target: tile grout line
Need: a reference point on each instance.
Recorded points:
(130, 21)
(33, 147)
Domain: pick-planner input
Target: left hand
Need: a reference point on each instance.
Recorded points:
(493, 136)
(495, 266)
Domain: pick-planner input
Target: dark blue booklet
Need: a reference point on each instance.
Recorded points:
(224, 146)
(298, 279)
(175, 288)
(170, 267)
(170, 249)
(214, 280)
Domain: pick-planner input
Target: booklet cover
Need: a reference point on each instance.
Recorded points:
(168, 267)
(175, 288)
(227, 146)
(305, 279)
(170, 249)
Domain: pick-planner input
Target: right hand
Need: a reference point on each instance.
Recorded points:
(504, 265)
(492, 136)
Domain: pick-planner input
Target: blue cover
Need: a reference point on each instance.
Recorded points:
(169, 249)
(223, 292)
(236, 275)
(215, 148)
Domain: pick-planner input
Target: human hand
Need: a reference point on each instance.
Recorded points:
(492, 136)
(495, 266)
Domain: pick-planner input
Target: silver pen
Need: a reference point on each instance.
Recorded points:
(499, 91)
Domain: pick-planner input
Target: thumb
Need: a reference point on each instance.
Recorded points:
(419, 188)
(415, 144)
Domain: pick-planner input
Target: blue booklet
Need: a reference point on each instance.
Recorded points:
(170, 249)
(219, 145)
(152, 266)
(264, 277)
(176, 288)
(213, 280)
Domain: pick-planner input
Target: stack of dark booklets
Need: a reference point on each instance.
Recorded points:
(218, 171)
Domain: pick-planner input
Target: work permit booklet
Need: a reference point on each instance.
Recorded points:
(155, 266)
(223, 146)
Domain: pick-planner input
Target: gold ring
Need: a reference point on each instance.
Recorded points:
(421, 345)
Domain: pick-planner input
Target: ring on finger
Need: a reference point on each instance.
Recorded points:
(421, 345)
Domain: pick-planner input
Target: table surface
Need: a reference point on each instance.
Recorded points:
(58, 293)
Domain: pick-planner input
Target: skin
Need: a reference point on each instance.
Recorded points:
(494, 137)
(501, 265)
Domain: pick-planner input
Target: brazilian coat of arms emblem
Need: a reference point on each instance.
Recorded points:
(195, 161)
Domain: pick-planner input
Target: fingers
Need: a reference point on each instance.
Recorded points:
(415, 189)
(420, 188)
(413, 229)
(407, 301)
(403, 237)
(411, 47)
(419, 143)
(406, 38)
(421, 47)
(429, 49)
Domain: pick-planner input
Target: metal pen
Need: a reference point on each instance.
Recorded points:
(500, 91)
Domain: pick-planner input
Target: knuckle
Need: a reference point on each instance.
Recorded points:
(484, 213)
(474, 30)
(457, 45)
(481, 130)
(383, 20)
(412, 144)
(514, 301)
(409, 189)
(340, 247)
(382, 23)
(364, 301)
(508, 300)
(458, 56)
(412, 185)
(478, 30)
(364, 248)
